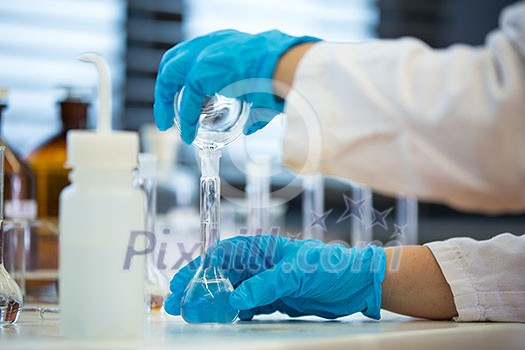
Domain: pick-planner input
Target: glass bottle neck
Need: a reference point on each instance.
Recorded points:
(209, 203)
(73, 113)
(210, 159)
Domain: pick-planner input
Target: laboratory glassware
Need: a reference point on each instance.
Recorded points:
(31, 258)
(20, 203)
(157, 286)
(206, 298)
(20, 210)
(176, 184)
(258, 171)
(313, 204)
(11, 299)
(220, 122)
(407, 219)
(362, 226)
(20, 198)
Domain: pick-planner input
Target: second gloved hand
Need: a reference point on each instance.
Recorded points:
(271, 273)
(232, 63)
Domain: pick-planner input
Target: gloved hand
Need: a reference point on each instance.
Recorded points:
(213, 62)
(272, 273)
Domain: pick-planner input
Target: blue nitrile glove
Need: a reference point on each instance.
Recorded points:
(212, 63)
(272, 273)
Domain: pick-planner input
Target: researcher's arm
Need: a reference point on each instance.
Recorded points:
(414, 284)
(459, 278)
(444, 125)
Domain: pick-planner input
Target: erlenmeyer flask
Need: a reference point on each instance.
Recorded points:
(10, 293)
(206, 298)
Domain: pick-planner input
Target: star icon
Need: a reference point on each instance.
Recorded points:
(379, 218)
(399, 232)
(353, 208)
(319, 220)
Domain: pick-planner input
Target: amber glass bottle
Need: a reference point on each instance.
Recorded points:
(48, 160)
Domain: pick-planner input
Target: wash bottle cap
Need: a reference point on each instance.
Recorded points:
(102, 148)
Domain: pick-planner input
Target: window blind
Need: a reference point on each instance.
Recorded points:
(39, 46)
(152, 28)
(440, 23)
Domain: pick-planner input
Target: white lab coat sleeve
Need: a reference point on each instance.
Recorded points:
(487, 278)
(443, 125)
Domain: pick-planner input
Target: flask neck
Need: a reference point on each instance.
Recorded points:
(210, 194)
(210, 159)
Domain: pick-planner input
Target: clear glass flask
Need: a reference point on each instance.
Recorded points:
(10, 294)
(206, 298)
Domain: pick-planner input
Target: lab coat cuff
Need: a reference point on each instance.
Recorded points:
(455, 270)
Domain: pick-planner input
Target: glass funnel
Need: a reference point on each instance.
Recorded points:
(10, 293)
(206, 298)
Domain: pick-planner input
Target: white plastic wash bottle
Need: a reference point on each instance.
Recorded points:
(99, 296)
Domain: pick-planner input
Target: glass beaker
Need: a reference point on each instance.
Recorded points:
(10, 293)
(206, 298)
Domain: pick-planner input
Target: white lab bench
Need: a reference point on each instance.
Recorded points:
(276, 331)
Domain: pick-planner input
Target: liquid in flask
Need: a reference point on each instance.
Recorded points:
(206, 299)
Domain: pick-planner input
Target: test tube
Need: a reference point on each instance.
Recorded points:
(407, 219)
(313, 203)
(258, 172)
(362, 227)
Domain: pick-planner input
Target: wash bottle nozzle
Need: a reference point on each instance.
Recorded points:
(104, 90)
